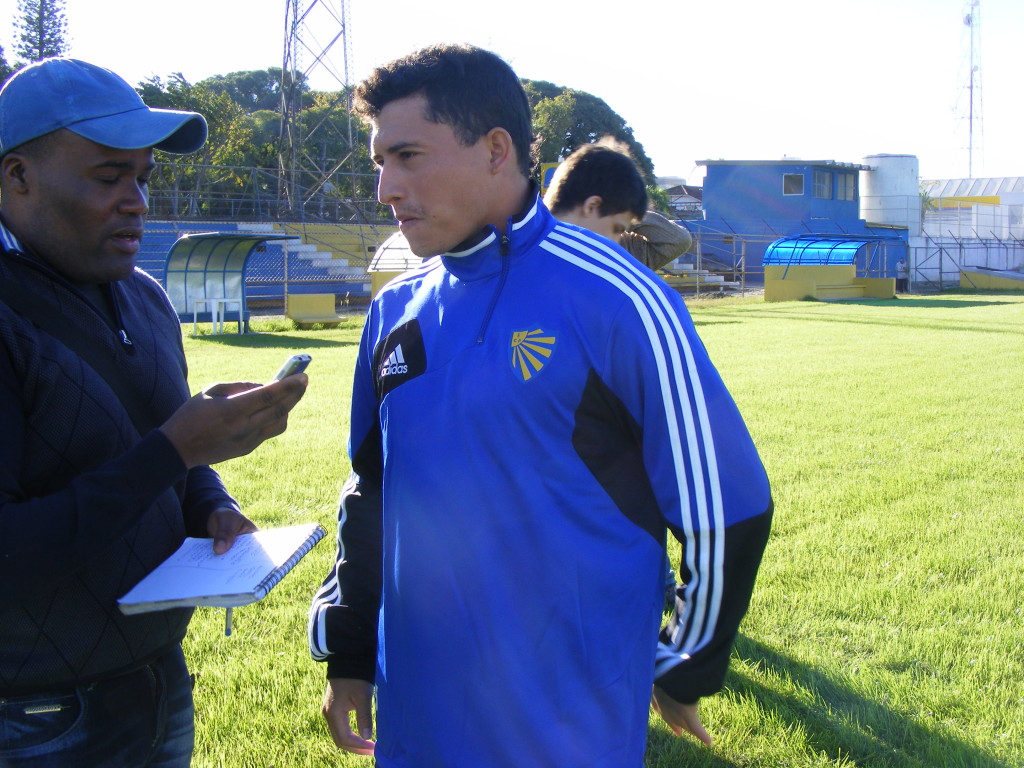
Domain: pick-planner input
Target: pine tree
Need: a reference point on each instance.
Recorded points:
(42, 29)
(6, 70)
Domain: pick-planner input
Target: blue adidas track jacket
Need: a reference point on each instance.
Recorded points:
(529, 417)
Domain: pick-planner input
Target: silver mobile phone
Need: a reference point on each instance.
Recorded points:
(294, 364)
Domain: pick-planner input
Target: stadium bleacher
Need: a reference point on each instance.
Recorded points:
(320, 259)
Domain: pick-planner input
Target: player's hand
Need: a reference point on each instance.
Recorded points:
(342, 697)
(680, 717)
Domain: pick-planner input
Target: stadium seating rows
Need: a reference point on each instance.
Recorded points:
(329, 258)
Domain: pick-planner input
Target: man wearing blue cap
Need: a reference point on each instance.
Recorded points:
(103, 455)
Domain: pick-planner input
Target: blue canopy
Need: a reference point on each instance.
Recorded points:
(210, 265)
(819, 250)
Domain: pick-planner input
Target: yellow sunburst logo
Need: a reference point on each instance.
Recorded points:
(530, 351)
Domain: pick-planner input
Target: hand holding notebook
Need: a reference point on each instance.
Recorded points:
(194, 575)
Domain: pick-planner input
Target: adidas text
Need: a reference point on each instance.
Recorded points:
(394, 364)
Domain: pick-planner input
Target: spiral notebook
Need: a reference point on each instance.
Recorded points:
(195, 576)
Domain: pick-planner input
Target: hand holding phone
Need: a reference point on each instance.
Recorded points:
(294, 364)
(228, 420)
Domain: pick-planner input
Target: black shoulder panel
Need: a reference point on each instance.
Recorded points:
(610, 442)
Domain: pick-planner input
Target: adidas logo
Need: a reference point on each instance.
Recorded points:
(394, 364)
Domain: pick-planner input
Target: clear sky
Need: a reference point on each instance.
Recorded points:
(716, 79)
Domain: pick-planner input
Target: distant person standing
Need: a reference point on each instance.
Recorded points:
(598, 187)
(901, 275)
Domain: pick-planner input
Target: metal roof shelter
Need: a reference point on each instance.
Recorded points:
(391, 258)
(393, 255)
(978, 187)
(209, 267)
(821, 250)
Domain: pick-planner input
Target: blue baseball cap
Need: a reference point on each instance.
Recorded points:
(93, 102)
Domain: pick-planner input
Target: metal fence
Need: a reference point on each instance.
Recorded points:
(218, 192)
(935, 261)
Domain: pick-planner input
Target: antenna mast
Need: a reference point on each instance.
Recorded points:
(972, 20)
(313, 29)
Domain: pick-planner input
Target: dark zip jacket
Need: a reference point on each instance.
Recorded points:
(88, 505)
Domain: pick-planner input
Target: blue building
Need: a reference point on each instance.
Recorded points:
(749, 204)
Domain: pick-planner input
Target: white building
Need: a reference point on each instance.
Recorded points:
(951, 223)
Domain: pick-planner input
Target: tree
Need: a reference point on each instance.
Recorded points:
(256, 89)
(194, 177)
(657, 200)
(6, 70)
(330, 174)
(42, 29)
(230, 135)
(240, 165)
(553, 120)
(339, 136)
(564, 119)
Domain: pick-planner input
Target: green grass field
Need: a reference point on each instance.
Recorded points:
(886, 628)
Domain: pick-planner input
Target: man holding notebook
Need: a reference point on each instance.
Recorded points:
(103, 454)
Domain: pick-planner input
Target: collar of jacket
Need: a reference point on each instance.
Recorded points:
(481, 256)
(9, 241)
(12, 249)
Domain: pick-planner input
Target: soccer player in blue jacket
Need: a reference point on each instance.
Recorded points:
(532, 413)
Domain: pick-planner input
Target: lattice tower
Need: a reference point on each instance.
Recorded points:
(316, 55)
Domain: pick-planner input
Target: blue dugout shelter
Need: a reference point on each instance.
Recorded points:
(205, 275)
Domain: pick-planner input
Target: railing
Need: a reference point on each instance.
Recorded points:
(197, 192)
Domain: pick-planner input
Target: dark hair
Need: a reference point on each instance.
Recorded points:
(467, 88)
(601, 169)
(34, 149)
(39, 146)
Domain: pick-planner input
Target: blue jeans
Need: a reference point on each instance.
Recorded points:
(143, 719)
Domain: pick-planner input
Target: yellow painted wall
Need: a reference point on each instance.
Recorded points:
(877, 287)
(990, 282)
(788, 290)
(832, 274)
(379, 279)
(803, 281)
(800, 281)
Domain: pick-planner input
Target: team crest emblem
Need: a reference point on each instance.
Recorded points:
(530, 352)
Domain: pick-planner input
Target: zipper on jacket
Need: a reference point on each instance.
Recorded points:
(118, 323)
(504, 249)
(122, 333)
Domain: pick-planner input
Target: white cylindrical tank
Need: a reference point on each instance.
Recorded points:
(890, 192)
